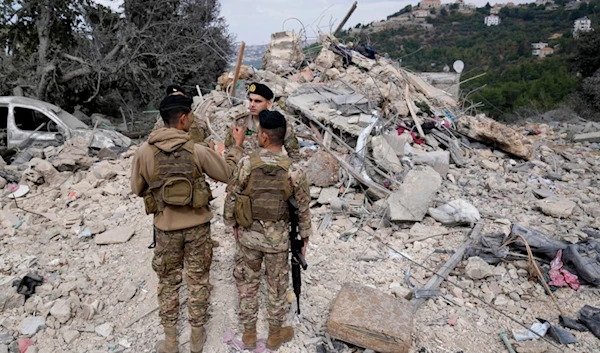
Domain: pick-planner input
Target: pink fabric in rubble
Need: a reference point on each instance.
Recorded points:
(559, 276)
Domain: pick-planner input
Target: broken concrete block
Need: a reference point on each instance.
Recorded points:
(284, 50)
(484, 129)
(322, 170)
(412, 200)
(104, 170)
(31, 325)
(558, 208)
(456, 212)
(371, 319)
(438, 160)
(588, 137)
(61, 310)
(384, 155)
(477, 268)
(115, 236)
(327, 195)
(127, 292)
(397, 142)
(325, 60)
(50, 175)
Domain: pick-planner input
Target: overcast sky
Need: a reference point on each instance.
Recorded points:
(253, 21)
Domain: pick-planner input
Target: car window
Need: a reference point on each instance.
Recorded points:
(30, 120)
(3, 122)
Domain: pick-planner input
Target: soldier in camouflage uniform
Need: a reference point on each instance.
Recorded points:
(261, 98)
(168, 172)
(198, 129)
(265, 181)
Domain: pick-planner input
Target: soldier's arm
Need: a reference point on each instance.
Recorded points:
(216, 167)
(302, 196)
(291, 144)
(236, 185)
(137, 181)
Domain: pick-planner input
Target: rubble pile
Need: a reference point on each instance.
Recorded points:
(399, 177)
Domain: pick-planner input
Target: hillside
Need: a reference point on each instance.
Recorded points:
(514, 77)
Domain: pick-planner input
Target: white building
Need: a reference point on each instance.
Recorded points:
(583, 24)
(491, 20)
(421, 13)
(537, 48)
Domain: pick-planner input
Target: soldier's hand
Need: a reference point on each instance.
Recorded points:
(239, 134)
(303, 251)
(236, 234)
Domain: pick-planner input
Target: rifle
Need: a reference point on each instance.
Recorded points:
(296, 245)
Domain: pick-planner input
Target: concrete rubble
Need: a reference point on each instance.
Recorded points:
(82, 230)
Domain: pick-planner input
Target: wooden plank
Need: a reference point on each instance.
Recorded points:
(409, 102)
(435, 281)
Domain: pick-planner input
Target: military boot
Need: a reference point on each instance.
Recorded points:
(197, 339)
(169, 344)
(249, 337)
(279, 335)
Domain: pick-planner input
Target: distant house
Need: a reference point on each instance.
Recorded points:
(430, 4)
(421, 13)
(545, 52)
(491, 20)
(582, 24)
(495, 10)
(538, 47)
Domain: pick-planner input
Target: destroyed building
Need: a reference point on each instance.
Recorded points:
(454, 226)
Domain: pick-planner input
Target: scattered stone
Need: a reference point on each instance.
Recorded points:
(477, 268)
(104, 170)
(61, 310)
(501, 300)
(106, 154)
(115, 236)
(70, 336)
(538, 346)
(544, 193)
(412, 200)
(128, 292)
(5, 338)
(3, 348)
(327, 195)
(438, 160)
(31, 325)
(489, 164)
(104, 330)
(322, 170)
(558, 208)
(589, 137)
(514, 296)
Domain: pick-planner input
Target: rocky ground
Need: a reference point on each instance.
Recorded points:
(88, 236)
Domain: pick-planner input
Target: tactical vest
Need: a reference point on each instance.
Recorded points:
(268, 189)
(176, 181)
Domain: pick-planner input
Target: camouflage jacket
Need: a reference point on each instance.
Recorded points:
(264, 236)
(290, 142)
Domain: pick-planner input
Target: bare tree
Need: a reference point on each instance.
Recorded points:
(81, 53)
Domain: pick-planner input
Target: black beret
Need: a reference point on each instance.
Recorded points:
(176, 101)
(174, 88)
(271, 119)
(261, 90)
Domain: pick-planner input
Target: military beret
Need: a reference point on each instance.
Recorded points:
(261, 90)
(177, 100)
(271, 119)
(173, 89)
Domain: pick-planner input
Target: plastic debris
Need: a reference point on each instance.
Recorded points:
(559, 276)
(526, 335)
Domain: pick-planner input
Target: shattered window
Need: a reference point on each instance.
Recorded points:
(3, 122)
(30, 120)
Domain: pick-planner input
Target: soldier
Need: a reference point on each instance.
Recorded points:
(261, 98)
(257, 207)
(198, 130)
(168, 172)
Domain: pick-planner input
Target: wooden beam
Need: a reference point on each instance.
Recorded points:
(238, 67)
(354, 6)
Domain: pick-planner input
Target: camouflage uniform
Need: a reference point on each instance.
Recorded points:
(290, 142)
(265, 240)
(174, 249)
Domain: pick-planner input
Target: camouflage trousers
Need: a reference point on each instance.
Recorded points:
(247, 277)
(193, 249)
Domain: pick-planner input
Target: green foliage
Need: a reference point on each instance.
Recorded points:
(514, 77)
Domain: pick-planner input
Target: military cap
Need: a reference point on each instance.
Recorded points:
(173, 89)
(177, 100)
(271, 119)
(261, 90)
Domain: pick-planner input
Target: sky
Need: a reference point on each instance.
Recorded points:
(253, 21)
